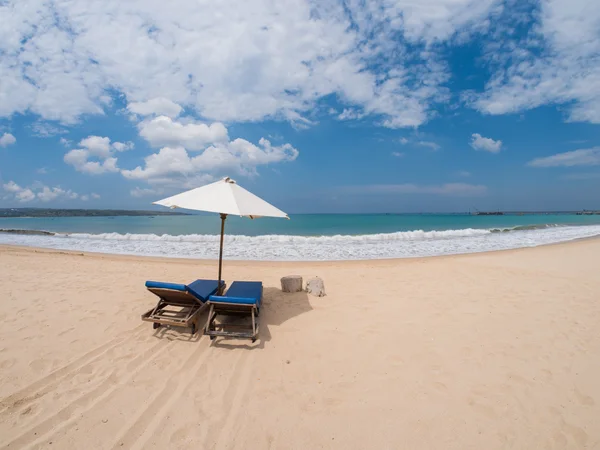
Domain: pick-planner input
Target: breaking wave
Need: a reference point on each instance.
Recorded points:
(404, 244)
(282, 238)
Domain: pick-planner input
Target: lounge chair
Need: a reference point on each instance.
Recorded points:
(242, 299)
(187, 302)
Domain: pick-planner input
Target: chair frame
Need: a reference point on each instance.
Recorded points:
(186, 316)
(213, 329)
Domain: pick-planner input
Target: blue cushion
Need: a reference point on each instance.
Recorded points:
(241, 292)
(161, 285)
(201, 289)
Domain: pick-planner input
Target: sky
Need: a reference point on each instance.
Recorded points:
(316, 106)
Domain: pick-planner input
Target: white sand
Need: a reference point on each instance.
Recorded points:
(486, 351)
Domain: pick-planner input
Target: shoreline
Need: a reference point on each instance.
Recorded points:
(289, 248)
(103, 255)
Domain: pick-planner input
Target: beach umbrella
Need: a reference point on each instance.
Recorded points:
(224, 197)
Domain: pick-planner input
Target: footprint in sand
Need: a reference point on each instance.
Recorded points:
(584, 399)
(87, 369)
(182, 434)
(7, 363)
(39, 365)
(440, 387)
(30, 411)
(547, 375)
(483, 409)
(577, 434)
(519, 379)
(559, 440)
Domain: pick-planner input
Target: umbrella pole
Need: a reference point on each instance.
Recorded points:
(223, 217)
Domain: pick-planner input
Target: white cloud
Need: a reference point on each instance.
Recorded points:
(122, 146)
(247, 61)
(42, 170)
(350, 114)
(555, 63)
(13, 187)
(232, 61)
(144, 192)
(38, 191)
(96, 147)
(66, 142)
(163, 131)
(398, 154)
(239, 156)
(243, 156)
(463, 173)
(169, 161)
(48, 194)
(450, 189)
(428, 144)
(45, 129)
(216, 153)
(157, 106)
(87, 197)
(25, 195)
(478, 142)
(78, 159)
(582, 157)
(432, 145)
(18, 193)
(7, 139)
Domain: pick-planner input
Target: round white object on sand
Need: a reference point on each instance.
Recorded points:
(316, 287)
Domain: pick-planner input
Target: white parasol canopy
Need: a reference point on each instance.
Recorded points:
(224, 197)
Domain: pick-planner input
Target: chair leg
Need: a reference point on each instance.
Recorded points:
(157, 307)
(209, 320)
(254, 325)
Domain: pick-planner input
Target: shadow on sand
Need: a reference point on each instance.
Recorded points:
(180, 333)
(277, 308)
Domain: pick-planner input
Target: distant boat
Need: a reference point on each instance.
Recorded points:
(488, 213)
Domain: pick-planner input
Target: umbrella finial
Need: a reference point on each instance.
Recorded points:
(229, 180)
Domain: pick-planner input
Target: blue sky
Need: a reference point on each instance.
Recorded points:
(391, 106)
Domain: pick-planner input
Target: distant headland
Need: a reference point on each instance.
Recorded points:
(49, 212)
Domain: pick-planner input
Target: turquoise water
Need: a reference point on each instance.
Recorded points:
(304, 237)
(299, 225)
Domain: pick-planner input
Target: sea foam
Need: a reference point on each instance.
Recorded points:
(404, 244)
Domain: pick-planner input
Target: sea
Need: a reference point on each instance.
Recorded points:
(310, 237)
